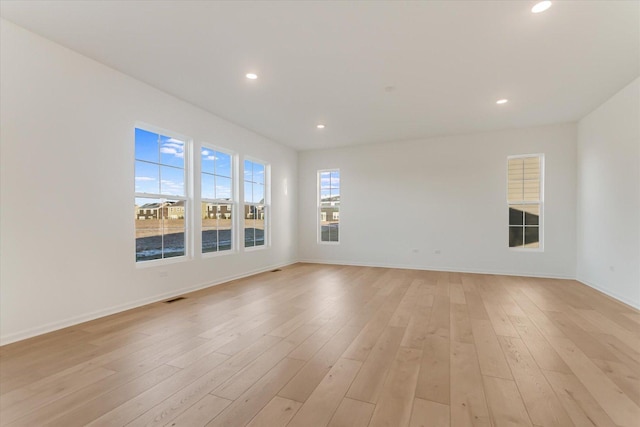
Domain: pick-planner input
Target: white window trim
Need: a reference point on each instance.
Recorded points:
(187, 198)
(541, 218)
(267, 205)
(234, 202)
(319, 206)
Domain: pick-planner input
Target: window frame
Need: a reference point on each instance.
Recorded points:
(319, 207)
(187, 198)
(266, 205)
(234, 202)
(539, 202)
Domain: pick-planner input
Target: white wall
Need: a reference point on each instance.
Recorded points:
(446, 194)
(608, 210)
(67, 247)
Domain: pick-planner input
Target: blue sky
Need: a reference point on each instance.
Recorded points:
(216, 174)
(160, 170)
(329, 184)
(166, 174)
(253, 182)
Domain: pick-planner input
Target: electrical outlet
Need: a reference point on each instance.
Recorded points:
(415, 250)
(437, 252)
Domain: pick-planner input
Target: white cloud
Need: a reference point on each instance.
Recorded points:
(144, 178)
(174, 145)
(212, 158)
(205, 152)
(175, 140)
(167, 184)
(176, 148)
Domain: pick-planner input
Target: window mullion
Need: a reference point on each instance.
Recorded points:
(169, 212)
(527, 178)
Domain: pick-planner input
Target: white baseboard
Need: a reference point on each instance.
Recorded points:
(54, 326)
(614, 295)
(431, 268)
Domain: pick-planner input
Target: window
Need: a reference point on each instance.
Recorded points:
(329, 206)
(160, 196)
(525, 200)
(216, 200)
(255, 204)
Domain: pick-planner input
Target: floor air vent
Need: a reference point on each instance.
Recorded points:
(169, 301)
(276, 270)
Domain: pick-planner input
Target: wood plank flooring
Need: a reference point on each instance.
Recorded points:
(317, 345)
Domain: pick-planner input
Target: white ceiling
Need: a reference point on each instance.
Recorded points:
(330, 62)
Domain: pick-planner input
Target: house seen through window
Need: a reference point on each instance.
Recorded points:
(255, 204)
(329, 205)
(160, 196)
(217, 200)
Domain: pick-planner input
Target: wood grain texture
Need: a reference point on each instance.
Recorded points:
(396, 398)
(538, 397)
(352, 413)
(325, 399)
(276, 413)
(505, 404)
(368, 383)
(468, 401)
(318, 345)
(201, 412)
(429, 414)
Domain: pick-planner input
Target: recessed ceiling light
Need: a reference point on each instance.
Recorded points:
(320, 126)
(541, 6)
(502, 101)
(252, 76)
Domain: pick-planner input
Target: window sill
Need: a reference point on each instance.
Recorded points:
(526, 249)
(163, 261)
(255, 248)
(216, 254)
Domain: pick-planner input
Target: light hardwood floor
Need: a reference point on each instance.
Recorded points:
(336, 346)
